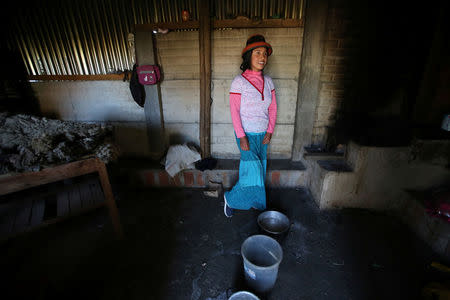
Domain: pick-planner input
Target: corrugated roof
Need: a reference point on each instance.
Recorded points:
(90, 37)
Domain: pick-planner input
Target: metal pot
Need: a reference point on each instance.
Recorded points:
(274, 224)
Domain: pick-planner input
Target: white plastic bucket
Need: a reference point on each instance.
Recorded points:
(243, 295)
(262, 255)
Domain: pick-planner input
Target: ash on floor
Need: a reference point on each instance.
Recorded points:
(179, 245)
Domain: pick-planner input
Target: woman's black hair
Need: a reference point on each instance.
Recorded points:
(246, 60)
(247, 56)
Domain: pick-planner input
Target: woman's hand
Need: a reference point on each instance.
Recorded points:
(267, 138)
(243, 141)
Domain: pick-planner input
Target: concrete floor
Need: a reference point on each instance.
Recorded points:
(179, 245)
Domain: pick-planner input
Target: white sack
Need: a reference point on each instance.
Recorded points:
(180, 157)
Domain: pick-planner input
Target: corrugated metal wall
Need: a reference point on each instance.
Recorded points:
(264, 9)
(90, 37)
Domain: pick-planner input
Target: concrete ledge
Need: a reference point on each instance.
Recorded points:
(376, 178)
(331, 183)
(323, 156)
(334, 165)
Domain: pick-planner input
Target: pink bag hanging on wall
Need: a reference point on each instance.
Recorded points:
(148, 74)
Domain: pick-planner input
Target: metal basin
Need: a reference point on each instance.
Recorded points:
(243, 296)
(273, 222)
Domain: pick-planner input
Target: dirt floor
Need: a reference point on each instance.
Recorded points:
(179, 245)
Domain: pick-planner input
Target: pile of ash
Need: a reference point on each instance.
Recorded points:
(29, 143)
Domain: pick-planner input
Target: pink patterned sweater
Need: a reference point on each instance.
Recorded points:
(253, 105)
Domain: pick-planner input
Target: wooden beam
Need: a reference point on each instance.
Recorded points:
(78, 77)
(167, 25)
(205, 79)
(232, 23)
(11, 184)
(267, 23)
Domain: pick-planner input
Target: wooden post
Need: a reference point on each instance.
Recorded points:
(145, 54)
(309, 78)
(205, 78)
(109, 198)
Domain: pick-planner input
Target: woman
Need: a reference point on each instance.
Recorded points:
(253, 110)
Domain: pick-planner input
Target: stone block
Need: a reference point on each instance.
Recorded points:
(131, 138)
(179, 133)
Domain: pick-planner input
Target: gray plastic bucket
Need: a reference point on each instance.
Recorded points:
(244, 295)
(262, 256)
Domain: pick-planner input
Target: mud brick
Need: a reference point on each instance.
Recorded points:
(200, 180)
(188, 179)
(275, 179)
(149, 178)
(177, 180)
(163, 178)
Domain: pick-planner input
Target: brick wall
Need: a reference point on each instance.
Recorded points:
(178, 54)
(336, 73)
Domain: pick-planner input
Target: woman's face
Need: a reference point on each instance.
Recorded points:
(259, 59)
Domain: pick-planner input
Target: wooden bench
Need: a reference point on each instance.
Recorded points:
(70, 201)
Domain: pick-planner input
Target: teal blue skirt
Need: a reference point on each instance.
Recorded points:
(249, 191)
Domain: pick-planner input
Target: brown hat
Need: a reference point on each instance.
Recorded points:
(256, 41)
